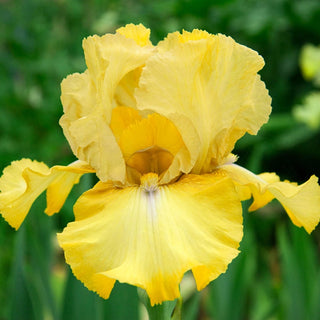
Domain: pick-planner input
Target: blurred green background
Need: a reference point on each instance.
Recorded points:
(277, 274)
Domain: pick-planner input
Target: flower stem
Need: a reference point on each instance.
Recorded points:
(167, 310)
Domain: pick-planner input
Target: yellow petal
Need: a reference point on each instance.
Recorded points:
(59, 189)
(149, 236)
(123, 117)
(261, 199)
(88, 98)
(302, 203)
(23, 181)
(211, 82)
(139, 33)
(124, 94)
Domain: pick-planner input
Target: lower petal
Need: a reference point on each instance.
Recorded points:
(302, 203)
(151, 237)
(23, 181)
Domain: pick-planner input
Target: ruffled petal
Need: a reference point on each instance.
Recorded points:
(208, 84)
(23, 181)
(139, 33)
(88, 98)
(124, 94)
(149, 236)
(302, 203)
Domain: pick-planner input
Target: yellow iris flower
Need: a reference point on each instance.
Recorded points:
(157, 124)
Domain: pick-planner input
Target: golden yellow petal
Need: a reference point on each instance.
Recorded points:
(302, 203)
(149, 236)
(123, 117)
(196, 34)
(88, 99)
(155, 145)
(212, 82)
(23, 181)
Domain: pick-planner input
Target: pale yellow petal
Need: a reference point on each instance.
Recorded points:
(88, 99)
(149, 236)
(302, 203)
(109, 58)
(212, 81)
(124, 94)
(23, 181)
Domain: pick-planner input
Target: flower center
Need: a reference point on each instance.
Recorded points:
(153, 159)
(149, 182)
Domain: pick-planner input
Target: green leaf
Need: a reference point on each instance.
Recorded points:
(31, 290)
(191, 307)
(232, 288)
(300, 269)
(122, 304)
(79, 302)
(20, 305)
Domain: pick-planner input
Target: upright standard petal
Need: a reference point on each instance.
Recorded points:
(88, 98)
(149, 236)
(302, 203)
(208, 84)
(23, 181)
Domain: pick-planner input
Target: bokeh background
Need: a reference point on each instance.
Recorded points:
(277, 274)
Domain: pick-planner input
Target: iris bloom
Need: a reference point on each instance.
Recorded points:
(157, 125)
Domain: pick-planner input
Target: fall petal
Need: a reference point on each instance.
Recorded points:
(151, 237)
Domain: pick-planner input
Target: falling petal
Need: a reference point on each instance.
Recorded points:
(149, 236)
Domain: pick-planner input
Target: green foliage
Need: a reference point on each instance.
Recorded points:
(276, 275)
(164, 311)
(309, 111)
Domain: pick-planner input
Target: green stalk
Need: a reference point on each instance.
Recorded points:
(167, 310)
